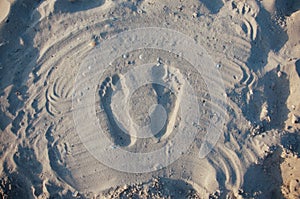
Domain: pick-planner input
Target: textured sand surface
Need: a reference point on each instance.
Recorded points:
(253, 45)
(5, 8)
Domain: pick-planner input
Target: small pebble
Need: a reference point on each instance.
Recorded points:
(102, 93)
(140, 11)
(279, 74)
(125, 56)
(75, 194)
(158, 60)
(218, 65)
(92, 43)
(21, 41)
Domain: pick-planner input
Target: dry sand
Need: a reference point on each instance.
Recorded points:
(5, 8)
(255, 47)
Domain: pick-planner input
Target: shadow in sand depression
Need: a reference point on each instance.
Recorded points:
(298, 67)
(270, 37)
(264, 180)
(213, 6)
(17, 60)
(268, 86)
(76, 6)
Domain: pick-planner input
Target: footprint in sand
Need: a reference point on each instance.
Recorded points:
(169, 97)
(143, 103)
(117, 135)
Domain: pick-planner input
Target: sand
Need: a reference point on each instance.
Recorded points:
(5, 8)
(149, 99)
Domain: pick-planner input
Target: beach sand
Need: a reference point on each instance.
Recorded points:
(194, 99)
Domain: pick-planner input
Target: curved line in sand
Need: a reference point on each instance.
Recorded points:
(85, 118)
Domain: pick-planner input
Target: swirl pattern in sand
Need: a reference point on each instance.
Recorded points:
(109, 98)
